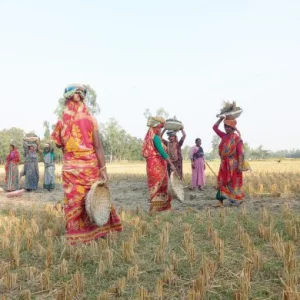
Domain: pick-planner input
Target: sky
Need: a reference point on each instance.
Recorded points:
(185, 56)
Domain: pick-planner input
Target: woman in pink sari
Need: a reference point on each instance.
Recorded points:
(83, 164)
(198, 165)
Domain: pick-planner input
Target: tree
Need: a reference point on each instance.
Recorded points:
(7, 136)
(46, 125)
(186, 152)
(215, 147)
(159, 112)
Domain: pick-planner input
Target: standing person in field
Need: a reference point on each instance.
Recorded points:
(157, 160)
(198, 165)
(11, 169)
(49, 168)
(174, 150)
(31, 167)
(77, 134)
(230, 177)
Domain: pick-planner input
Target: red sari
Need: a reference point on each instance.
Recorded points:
(230, 180)
(11, 171)
(74, 132)
(157, 175)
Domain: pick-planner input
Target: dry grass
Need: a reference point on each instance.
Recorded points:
(213, 254)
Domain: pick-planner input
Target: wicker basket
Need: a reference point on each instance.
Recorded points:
(98, 203)
(173, 125)
(176, 187)
(231, 115)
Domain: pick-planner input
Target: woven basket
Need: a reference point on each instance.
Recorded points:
(98, 203)
(176, 187)
(231, 115)
(173, 125)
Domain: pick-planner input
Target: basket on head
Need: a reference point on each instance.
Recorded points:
(98, 203)
(172, 124)
(231, 115)
(176, 187)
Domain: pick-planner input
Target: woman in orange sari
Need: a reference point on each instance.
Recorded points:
(230, 177)
(83, 164)
(157, 159)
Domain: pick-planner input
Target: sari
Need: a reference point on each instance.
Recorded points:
(198, 176)
(49, 171)
(174, 151)
(12, 171)
(157, 175)
(31, 169)
(230, 180)
(74, 133)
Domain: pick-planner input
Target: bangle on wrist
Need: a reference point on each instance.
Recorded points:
(104, 167)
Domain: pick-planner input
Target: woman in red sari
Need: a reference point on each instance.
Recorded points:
(157, 159)
(11, 169)
(83, 164)
(230, 177)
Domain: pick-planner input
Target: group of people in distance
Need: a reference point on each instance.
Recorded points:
(76, 134)
(30, 169)
(162, 160)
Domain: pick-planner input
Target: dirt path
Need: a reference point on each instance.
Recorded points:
(130, 193)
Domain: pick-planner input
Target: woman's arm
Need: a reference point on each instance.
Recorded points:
(100, 154)
(240, 153)
(182, 138)
(158, 145)
(217, 130)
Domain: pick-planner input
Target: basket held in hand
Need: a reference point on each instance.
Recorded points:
(98, 203)
(176, 187)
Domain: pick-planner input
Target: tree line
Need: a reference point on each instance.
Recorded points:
(119, 145)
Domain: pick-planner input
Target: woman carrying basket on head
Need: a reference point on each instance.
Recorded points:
(83, 164)
(230, 176)
(157, 159)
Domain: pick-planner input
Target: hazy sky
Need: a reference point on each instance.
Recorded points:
(185, 56)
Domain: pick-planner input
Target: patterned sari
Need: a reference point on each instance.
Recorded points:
(12, 171)
(230, 180)
(74, 132)
(174, 151)
(31, 169)
(49, 173)
(157, 175)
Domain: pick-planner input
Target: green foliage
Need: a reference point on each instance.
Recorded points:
(159, 112)
(118, 144)
(6, 137)
(47, 130)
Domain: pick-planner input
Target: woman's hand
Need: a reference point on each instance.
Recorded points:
(193, 165)
(103, 174)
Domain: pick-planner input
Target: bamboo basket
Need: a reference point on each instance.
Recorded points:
(98, 203)
(176, 187)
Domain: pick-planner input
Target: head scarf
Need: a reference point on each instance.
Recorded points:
(232, 123)
(71, 89)
(156, 122)
(171, 133)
